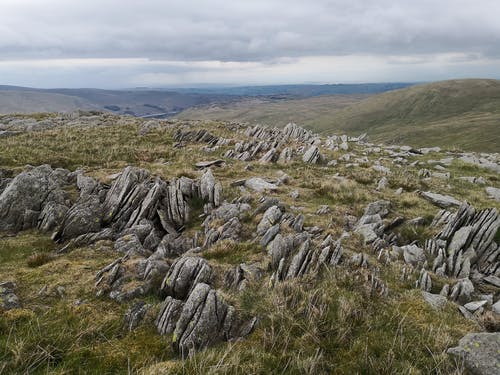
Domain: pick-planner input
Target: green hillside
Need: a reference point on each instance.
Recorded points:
(461, 114)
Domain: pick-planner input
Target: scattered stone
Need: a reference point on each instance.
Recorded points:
(436, 301)
(260, 185)
(208, 164)
(8, 298)
(493, 193)
(440, 200)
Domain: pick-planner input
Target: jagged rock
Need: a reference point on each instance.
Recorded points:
(270, 156)
(205, 320)
(475, 305)
(260, 185)
(173, 210)
(493, 280)
(208, 164)
(211, 191)
(440, 200)
(83, 218)
(229, 210)
(285, 156)
(378, 208)
(51, 216)
(493, 193)
(413, 254)
(381, 169)
(135, 314)
(359, 260)
(323, 210)
(170, 311)
(424, 282)
(88, 239)
(302, 261)
(436, 301)
(462, 291)
(184, 274)
(27, 194)
(8, 297)
(199, 136)
(176, 244)
(269, 235)
(496, 307)
(480, 352)
(130, 243)
(271, 217)
(312, 155)
(125, 194)
(239, 277)
(229, 230)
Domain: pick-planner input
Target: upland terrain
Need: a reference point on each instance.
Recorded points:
(181, 246)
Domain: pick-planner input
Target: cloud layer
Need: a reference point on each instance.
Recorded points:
(184, 41)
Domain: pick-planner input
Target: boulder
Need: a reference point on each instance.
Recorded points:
(480, 352)
(26, 196)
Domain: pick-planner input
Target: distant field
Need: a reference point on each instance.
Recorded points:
(461, 114)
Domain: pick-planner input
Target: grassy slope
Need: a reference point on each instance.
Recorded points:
(460, 113)
(30, 102)
(311, 112)
(326, 325)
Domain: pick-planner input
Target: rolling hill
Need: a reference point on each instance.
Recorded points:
(457, 113)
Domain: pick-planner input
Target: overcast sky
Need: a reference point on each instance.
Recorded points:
(129, 43)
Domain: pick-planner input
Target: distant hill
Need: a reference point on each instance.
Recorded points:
(456, 113)
(165, 102)
(20, 101)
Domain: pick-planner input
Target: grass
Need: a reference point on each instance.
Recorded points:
(327, 323)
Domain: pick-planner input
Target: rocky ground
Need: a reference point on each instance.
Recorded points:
(208, 247)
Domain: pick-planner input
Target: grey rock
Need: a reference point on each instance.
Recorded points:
(475, 305)
(260, 185)
(480, 352)
(205, 320)
(493, 193)
(208, 164)
(496, 307)
(440, 200)
(170, 311)
(26, 195)
(271, 217)
(211, 191)
(462, 291)
(436, 301)
(8, 297)
(135, 314)
(312, 155)
(130, 244)
(83, 218)
(184, 274)
(413, 255)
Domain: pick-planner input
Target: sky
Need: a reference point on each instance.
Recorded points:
(165, 43)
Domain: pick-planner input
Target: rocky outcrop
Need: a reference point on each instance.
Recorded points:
(33, 192)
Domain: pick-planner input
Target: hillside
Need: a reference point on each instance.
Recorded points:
(311, 112)
(14, 101)
(449, 114)
(133, 246)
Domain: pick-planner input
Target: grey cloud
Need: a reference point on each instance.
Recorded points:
(245, 30)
